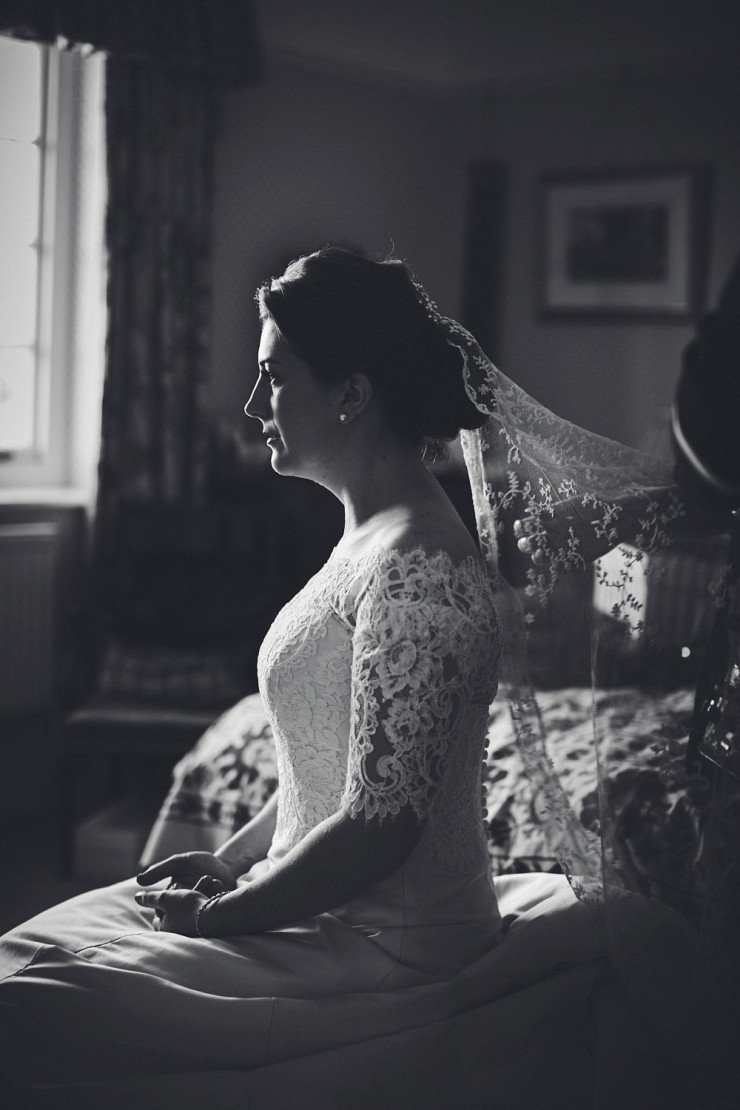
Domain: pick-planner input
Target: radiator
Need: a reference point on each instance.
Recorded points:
(27, 596)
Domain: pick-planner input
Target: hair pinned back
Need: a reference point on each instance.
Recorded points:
(341, 312)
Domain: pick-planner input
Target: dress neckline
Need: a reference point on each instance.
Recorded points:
(377, 552)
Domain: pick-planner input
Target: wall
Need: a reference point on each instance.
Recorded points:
(306, 159)
(43, 629)
(613, 377)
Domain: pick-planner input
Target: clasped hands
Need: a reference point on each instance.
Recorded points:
(194, 878)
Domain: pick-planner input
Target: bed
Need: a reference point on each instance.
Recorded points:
(231, 772)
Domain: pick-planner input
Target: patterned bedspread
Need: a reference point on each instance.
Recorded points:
(638, 726)
(231, 772)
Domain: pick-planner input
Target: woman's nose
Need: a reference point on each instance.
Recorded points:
(255, 406)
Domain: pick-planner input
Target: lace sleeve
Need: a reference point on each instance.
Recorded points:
(421, 655)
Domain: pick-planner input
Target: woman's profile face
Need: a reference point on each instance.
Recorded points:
(299, 414)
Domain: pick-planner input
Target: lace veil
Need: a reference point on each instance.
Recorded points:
(553, 502)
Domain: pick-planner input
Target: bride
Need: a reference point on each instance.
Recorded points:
(349, 946)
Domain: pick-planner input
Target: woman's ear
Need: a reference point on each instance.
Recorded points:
(357, 392)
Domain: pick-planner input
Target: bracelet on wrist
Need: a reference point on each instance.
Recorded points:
(214, 898)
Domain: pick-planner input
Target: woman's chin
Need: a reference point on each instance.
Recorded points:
(287, 464)
(279, 462)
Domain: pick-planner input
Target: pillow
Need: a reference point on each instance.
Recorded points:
(165, 676)
(219, 785)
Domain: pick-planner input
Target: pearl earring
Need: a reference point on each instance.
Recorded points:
(343, 417)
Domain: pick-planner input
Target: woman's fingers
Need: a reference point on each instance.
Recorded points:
(207, 884)
(163, 900)
(185, 868)
(151, 899)
(166, 868)
(524, 538)
(154, 873)
(527, 542)
(175, 911)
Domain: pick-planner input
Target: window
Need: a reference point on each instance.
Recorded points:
(52, 265)
(22, 82)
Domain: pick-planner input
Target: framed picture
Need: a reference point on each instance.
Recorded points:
(624, 243)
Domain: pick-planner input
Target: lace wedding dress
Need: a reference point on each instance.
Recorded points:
(377, 679)
(438, 984)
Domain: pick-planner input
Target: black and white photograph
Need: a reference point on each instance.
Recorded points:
(369, 555)
(625, 243)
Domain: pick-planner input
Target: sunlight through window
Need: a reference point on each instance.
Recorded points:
(21, 140)
(52, 266)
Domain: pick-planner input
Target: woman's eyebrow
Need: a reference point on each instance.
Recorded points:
(266, 361)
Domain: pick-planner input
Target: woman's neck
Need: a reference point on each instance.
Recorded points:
(392, 486)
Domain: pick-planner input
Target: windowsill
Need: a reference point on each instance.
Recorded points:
(61, 496)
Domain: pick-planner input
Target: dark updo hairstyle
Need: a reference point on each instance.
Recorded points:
(341, 312)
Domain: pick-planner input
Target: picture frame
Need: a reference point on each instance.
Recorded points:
(629, 243)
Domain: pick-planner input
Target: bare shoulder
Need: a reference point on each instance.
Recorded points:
(431, 533)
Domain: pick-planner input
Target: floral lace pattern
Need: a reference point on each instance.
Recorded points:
(304, 675)
(575, 495)
(377, 678)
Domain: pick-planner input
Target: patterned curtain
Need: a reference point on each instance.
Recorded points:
(160, 135)
(166, 59)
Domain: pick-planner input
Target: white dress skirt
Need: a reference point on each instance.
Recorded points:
(98, 1009)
